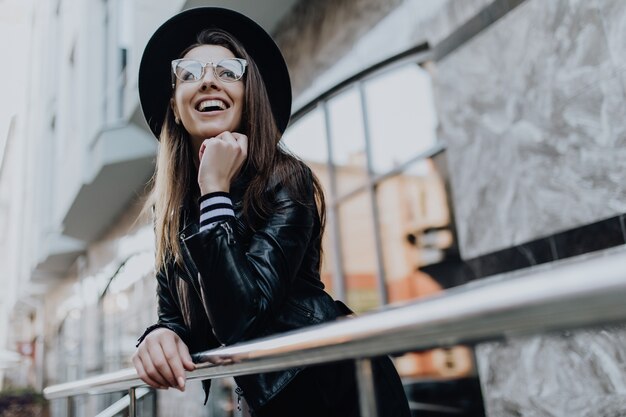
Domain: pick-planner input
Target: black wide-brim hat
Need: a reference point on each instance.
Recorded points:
(180, 31)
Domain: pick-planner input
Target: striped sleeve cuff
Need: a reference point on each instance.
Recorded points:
(215, 207)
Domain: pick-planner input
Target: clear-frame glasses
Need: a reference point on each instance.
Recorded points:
(190, 70)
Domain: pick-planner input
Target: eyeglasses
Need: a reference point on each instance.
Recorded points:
(189, 70)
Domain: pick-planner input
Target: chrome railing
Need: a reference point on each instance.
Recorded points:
(571, 294)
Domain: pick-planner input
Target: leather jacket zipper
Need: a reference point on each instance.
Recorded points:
(239, 393)
(229, 233)
(186, 260)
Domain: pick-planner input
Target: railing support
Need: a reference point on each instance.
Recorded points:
(563, 297)
(132, 409)
(367, 393)
(70, 406)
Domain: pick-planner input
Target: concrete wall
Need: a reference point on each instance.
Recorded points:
(324, 42)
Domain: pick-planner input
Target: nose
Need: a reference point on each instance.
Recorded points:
(209, 80)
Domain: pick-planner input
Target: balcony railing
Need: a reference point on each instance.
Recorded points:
(572, 294)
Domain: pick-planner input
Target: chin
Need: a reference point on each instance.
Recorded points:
(206, 134)
(212, 131)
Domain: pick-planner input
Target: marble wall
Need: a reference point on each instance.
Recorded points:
(532, 111)
(534, 116)
(573, 374)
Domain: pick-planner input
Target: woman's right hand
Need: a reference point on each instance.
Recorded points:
(221, 158)
(162, 359)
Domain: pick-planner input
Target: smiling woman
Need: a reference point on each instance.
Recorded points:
(216, 105)
(238, 220)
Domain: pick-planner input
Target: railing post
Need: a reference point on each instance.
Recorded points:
(132, 409)
(367, 393)
(70, 407)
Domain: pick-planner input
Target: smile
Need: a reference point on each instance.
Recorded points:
(211, 105)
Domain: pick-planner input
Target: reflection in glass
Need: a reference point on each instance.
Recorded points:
(358, 250)
(306, 138)
(414, 243)
(420, 257)
(401, 116)
(349, 155)
(328, 271)
(410, 204)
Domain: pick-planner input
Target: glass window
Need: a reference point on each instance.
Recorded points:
(347, 141)
(69, 349)
(401, 116)
(306, 138)
(420, 258)
(358, 251)
(413, 219)
(126, 311)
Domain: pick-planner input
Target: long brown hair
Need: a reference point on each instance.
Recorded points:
(174, 180)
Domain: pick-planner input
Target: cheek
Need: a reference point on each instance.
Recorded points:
(241, 99)
(179, 100)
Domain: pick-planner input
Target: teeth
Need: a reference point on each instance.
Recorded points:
(206, 104)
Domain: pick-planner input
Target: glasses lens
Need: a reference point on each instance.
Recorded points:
(230, 70)
(188, 70)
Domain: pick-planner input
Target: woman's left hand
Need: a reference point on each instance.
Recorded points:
(221, 159)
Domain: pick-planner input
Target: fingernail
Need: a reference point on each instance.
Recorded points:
(181, 383)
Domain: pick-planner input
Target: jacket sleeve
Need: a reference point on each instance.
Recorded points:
(169, 314)
(242, 288)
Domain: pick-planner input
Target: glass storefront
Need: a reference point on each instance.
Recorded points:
(392, 238)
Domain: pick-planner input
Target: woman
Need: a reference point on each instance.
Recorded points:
(238, 221)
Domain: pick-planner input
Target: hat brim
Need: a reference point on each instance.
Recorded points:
(180, 31)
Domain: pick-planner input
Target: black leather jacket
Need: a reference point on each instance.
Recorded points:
(247, 285)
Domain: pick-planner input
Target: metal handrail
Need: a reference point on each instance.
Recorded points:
(569, 294)
(122, 404)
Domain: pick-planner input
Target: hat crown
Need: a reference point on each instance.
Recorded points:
(181, 31)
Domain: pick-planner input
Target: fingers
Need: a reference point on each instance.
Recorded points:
(242, 141)
(161, 360)
(201, 152)
(227, 137)
(235, 139)
(161, 363)
(175, 362)
(238, 141)
(141, 372)
(144, 376)
(222, 159)
(183, 351)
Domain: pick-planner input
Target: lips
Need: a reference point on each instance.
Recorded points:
(211, 105)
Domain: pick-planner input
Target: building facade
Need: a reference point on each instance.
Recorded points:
(456, 141)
